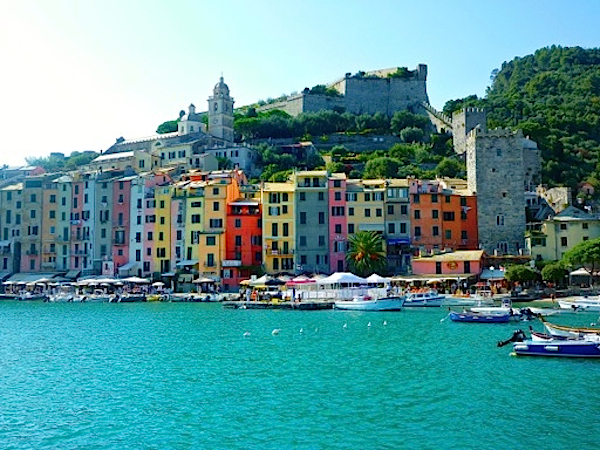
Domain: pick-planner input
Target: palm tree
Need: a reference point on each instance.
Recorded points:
(365, 253)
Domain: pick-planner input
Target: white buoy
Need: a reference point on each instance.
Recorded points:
(246, 334)
(345, 325)
(316, 329)
(301, 330)
(276, 331)
(369, 324)
(385, 323)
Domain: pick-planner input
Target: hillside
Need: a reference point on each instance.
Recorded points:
(554, 97)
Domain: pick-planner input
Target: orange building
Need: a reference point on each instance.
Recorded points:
(443, 215)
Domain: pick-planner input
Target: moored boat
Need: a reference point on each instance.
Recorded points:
(366, 303)
(429, 298)
(569, 348)
(475, 317)
(567, 331)
(581, 303)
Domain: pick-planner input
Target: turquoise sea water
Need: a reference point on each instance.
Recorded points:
(184, 376)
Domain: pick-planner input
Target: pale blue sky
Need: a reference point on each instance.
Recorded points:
(78, 74)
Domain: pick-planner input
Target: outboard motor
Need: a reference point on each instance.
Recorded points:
(518, 336)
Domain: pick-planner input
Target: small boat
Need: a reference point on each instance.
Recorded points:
(569, 348)
(467, 300)
(567, 331)
(477, 317)
(424, 299)
(504, 308)
(130, 298)
(30, 296)
(366, 303)
(581, 303)
(539, 345)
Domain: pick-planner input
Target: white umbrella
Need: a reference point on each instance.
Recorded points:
(375, 278)
(158, 284)
(136, 280)
(203, 280)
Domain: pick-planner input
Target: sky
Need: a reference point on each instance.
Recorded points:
(76, 75)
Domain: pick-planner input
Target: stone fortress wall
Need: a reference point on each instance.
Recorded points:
(367, 94)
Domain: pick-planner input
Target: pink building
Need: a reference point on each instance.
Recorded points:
(463, 263)
(336, 186)
(121, 220)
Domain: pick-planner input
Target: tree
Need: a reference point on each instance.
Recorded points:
(450, 167)
(381, 168)
(365, 254)
(554, 272)
(585, 254)
(411, 134)
(520, 273)
(170, 126)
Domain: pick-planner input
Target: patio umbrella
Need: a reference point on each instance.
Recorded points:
(137, 280)
(158, 284)
(203, 280)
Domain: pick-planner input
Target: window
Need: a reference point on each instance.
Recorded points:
(438, 267)
(337, 183)
(434, 198)
(563, 241)
(435, 231)
(467, 266)
(585, 238)
(321, 196)
(350, 211)
(416, 198)
(303, 259)
(211, 240)
(274, 230)
(210, 260)
(215, 206)
(463, 215)
(321, 217)
(302, 196)
(338, 229)
(303, 218)
(286, 229)
(404, 209)
(378, 212)
(584, 225)
(337, 196)
(215, 191)
(337, 211)
(351, 196)
(321, 241)
(53, 198)
(417, 214)
(391, 228)
(500, 220)
(447, 198)
(367, 212)
(161, 236)
(403, 228)
(350, 228)
(367, 197)
(284, 197)
(196, 204)
(150, 235)
(463, 235)
(238, 241)
(238, 223)
(417, 231)
(563, 226)
(390, 209)
(449, 216)
(435, 214)
(275, 263)
(448, 234)
(463, 201)
(216, 223)
(302, 241)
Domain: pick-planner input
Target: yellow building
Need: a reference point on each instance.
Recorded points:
(561, 233)
(365, 205)
(162, 255)
(211, 245)
(278, 219)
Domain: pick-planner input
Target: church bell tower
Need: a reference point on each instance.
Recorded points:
(220, 112)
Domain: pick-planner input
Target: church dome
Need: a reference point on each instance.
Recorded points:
(221, 87)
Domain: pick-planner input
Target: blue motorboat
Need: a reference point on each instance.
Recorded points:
(566, 348)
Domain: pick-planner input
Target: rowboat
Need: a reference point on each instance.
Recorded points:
(566, 331)
(581, 303)
(476, 317)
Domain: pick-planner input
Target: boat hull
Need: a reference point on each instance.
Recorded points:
(424, 300)
(382, 304)
(580, 305)
(558, 348)
(479, 317)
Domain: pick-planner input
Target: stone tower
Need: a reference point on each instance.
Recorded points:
(463, 122)
(496, 173)
(220, 112)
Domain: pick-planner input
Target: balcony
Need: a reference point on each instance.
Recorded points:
(31, 252)
(118, 242)
(232, 263)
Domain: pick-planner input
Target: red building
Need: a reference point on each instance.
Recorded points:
(243, 241)
(444, 215)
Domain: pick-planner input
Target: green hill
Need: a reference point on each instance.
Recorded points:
(554, 97)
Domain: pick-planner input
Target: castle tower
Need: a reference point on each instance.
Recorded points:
(496, 173)
(220, 112)
(463, 122)
(190, 122)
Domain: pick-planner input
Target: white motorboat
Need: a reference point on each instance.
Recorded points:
(424, 299)
(583, 303)
(505, 308)
(367, 303)
(467, 300)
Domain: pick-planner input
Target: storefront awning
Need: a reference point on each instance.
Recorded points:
(127, 267)
(187, 262)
